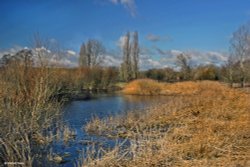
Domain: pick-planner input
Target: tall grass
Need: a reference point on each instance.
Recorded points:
(143, 87)
(152, 87)
(209, 127)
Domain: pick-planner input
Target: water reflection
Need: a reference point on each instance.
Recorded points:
(77, 113)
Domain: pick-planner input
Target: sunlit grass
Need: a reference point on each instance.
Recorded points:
(205, 124)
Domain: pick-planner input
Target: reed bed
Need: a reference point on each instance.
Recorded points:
(203, 124)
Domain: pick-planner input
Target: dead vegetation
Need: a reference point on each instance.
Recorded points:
(152, 87)
(31, 95)
(207, 124)
(29, 108)
(26, 110)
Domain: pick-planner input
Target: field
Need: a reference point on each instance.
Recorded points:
(203, 123)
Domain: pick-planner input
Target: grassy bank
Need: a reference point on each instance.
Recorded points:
(202, 124)
(152, 87)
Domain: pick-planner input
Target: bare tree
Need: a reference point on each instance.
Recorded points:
(129, 67)
(240, 49)
(83, 57)
(97, 52)
(91, 53)
(135, 55)
(127, 70)
(184, 63)
(47, 52)
(229, 66)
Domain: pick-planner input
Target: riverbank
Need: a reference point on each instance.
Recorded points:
(203, 124)
(86, 94)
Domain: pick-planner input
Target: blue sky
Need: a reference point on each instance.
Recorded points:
(163, 25)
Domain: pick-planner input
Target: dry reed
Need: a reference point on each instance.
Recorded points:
(207, 124)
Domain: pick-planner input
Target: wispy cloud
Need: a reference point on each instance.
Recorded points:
(157, 38)
(167, 53)
(128, 4)
(162, 52)
(111, 60)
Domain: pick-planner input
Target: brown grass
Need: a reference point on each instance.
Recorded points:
(207, 124)
(152, 87)
(143, 87)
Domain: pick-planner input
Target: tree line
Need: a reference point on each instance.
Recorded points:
(92, 74)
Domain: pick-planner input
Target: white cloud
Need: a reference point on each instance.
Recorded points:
(64, 62)
(66, 58)
(128, 4)
(110, 60)
(196, 57)
(10, 51)
(71, 53)
(153, 63)
(42, 49)
(149, 63)
(207, 57)
(175, 52)
(167, 58)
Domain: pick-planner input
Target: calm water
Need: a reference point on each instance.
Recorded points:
(77, 113)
